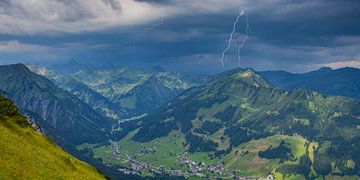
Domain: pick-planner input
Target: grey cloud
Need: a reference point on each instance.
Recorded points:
(114, 4)
(294, 35)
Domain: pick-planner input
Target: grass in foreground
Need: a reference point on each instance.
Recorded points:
(27, 154)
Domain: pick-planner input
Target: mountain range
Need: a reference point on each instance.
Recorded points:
(89, 96)
(238, 119)
(122, 92)
(240, 122)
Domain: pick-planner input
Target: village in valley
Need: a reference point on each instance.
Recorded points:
(188, 167)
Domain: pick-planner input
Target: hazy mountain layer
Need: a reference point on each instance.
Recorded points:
(122, 92)
(344, 81)
(89, 96)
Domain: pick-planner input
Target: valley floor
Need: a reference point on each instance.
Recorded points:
(168, 156)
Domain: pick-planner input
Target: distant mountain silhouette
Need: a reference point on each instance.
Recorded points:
(343, 82)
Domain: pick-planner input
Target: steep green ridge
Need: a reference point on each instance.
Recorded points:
(343, 81)
(60, 114)
(242, 99)
(238, 119)
(27, 154)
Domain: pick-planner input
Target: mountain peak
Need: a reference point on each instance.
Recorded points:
(250, 77)
(248, 73)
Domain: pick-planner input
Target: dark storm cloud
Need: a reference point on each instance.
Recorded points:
(292, 35)
(308, 34)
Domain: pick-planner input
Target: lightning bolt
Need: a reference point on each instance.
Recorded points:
(138, 36)
(231, 37)
(244, 40)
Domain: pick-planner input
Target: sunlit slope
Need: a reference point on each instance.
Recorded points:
(27, 154)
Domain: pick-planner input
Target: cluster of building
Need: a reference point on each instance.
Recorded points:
(198, 168)
(195, 168)
(127, 171)
(175, 173)
(139, 166)
(217, 168)
(148, 150)
(136, 166)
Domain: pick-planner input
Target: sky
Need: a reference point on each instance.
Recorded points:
(183, 35)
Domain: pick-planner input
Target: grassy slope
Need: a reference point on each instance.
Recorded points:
(254, 165)
(26, 154)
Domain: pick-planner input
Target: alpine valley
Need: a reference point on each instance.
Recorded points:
(238, 125)
(180, 89)
(137, 123)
